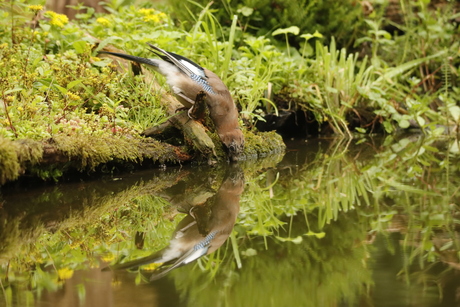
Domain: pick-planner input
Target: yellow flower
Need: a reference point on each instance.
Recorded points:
(58, 20)
(65, 273)
(73, 96)
(153, 18)
(152, 266)
(146, 12)
(108, 258)
(103, 21)
(35, 8)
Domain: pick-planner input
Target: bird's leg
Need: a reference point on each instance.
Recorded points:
(181, 109)
(183, 229)
(202, 215)
(178, 92)
(198, 110)
(136, 68)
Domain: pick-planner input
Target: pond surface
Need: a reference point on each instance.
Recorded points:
(332, 222)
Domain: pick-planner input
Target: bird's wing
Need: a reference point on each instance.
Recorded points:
(187, 66)
(194, 253)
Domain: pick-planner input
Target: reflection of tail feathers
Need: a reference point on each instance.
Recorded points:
(155, 258)
(199, 250)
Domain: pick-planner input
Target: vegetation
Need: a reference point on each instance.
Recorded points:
(60, 102)
(53, 83)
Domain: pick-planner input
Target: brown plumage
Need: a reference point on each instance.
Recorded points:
(187, 79)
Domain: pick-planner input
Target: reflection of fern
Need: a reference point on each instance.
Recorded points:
(446, 76)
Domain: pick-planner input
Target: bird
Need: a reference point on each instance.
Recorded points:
(202, 231)
(188, 80)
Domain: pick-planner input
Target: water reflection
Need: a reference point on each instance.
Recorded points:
(364, 222)
(209, 221)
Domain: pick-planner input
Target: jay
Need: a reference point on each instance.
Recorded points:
(188, 80)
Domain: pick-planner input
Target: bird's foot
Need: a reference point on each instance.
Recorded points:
(198, 110)
(181, 109)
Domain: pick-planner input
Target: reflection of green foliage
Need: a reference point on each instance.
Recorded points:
(427, 195)
(48, 243)
(301, 226)
(321, 272)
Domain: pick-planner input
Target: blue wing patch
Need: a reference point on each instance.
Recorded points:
(204, 84)
(207, 240)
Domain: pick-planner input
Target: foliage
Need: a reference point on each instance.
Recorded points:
(60, 88)
(425, 92)
(64, 88)
(53, 86)
(260, 17)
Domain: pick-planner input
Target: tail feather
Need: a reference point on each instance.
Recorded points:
(155, 258)
(132, 58)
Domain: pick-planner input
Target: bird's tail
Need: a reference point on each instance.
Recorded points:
(155, 258)
(132, 58)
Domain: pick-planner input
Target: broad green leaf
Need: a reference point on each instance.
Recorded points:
(80, 46)
(63, 90)
(309, 36)
(319, 235)
(455, 112)
(17, 89)
(246, 11)
(293, 30)
(73, 84)
(295, 240)
(396, 71)
(404, 123)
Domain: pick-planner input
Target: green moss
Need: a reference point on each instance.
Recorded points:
(87, 151)
(29, 151)
(17, 156)
(83, 152)
(261, 144)
(9, 163)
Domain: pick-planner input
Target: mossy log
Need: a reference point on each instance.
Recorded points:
(51, 158)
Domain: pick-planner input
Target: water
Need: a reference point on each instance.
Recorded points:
(366, 222)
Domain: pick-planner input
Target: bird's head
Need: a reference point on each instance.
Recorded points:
(234, 143)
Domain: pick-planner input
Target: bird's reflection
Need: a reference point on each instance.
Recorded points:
(209, 222)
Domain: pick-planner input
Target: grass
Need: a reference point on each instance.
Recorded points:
(71, 84)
